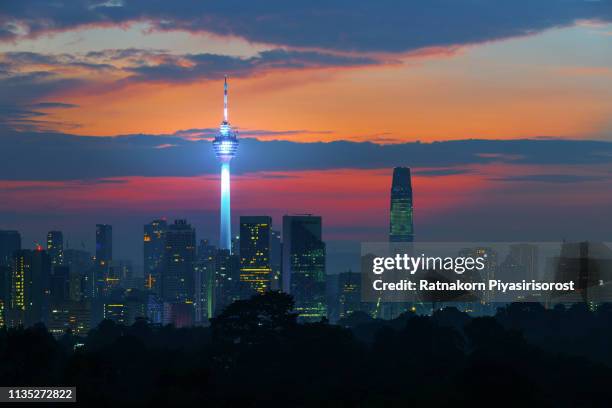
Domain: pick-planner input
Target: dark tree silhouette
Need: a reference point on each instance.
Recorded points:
(255, 353)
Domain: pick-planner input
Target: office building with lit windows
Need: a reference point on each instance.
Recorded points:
(349, 293)
(116, 311)
(304, 265)
(29, 292)
(5, 291)
(153, 245)
(178, 261)
(255, 267)
(55, 247)
(401, 226)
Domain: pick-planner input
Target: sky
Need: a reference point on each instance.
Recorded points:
(503, 109)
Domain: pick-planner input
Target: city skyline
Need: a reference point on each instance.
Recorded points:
(121, 104)
(182, 282)
(410, 204)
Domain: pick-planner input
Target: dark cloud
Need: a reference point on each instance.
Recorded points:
(355, 25)
(53, 156)
(187, 68)
(53, 105)
(21, 86)
(29, 117)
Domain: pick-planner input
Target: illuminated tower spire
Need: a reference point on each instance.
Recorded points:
(225, 146)
(225, 101)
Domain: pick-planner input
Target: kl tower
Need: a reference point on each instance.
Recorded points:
(225, 145)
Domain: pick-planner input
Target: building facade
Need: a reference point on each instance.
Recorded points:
(303, 272)
(401, 225)
(255, 262)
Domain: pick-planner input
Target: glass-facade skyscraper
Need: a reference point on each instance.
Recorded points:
(304, 265)
(255, 267)
(401, 226)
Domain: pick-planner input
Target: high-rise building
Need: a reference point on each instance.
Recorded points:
(255, 267)
(206, 251)
(81, 273)
(521, 262)
(178, 262)
(487, 273)
(60, 284)
(225, 146)
(304, 265)
(401, 227)
(227, 279)
(154, 233)
(55, 247)
(349, 291)
(5, 291)
(10, 241)
(104, 244)
(276, 259)
(204, 281)
(104, 256)
(30, 280)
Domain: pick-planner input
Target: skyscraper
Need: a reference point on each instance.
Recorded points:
(59, 284)
(153, 244)
(5, 291)
(81, 273)
(179, 256)
(349, 291)
(104, 244)
(55, 247)
(10, 241)
(401, 227)
(227, 279)
(225, 146)
(255, 240)
(275, 259)
(104, 256)
(304, 265)
(204, 276)
(31, 273)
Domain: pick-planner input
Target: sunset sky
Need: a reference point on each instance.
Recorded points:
(398, 74)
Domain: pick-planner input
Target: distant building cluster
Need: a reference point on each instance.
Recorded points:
(184, 282)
